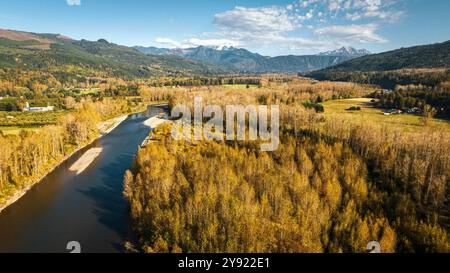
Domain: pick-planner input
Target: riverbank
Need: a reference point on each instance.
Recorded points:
(155, 122)
(85, 160)
(152, 123)
(109, 125)
(104, 128)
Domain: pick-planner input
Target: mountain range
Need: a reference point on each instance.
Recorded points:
(243, 61)
(63, 56)
(57, 53)
(347, 51)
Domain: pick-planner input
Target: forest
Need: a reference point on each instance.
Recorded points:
(407, 88)
(417, 96)
(388, 79)
(333, 185)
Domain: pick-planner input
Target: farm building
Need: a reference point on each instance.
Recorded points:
(38, 109)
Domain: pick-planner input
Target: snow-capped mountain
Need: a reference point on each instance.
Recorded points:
(242, 60)
(347, 52)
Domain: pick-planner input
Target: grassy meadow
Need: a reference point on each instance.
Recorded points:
(239, 86)
(371, 114)
(11, 123)
(14, 130)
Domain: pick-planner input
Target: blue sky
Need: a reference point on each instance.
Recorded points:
(264, 26)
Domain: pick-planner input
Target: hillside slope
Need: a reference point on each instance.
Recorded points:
(426, 56)
(427, 65)
(58, 53)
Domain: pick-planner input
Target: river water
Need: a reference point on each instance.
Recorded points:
(88, 208)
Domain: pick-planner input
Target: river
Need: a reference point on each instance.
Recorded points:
(88, 208)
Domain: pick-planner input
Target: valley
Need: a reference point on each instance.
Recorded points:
(87, 150)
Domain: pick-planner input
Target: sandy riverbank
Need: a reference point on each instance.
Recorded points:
(154, 122)
(85, 160)
(104, 127)
(108, 126)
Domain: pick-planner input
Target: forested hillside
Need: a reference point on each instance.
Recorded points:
(61, 55)
(421, 65)
(426, 56)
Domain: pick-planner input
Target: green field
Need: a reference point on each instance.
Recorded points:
(239, 86)
(369, 113)
(86, 92)
(14, 130)
(27, 119)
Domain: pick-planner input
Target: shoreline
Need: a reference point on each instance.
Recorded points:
(20, 193)
(153, 123)
(85, 160)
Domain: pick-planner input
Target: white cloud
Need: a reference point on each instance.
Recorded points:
(168, 42)
(195, 42)
(262, 20)
(293, 43)
(357, 9)
(74, 2)
(307, 25)
(265, 26)
(309, 15)
(307, 3)
(353, 16)
(352, 33)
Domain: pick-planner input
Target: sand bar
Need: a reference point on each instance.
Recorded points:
(85, 160)
(154, 122)
(106, 127)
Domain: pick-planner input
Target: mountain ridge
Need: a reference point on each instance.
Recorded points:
(435, 55)
(426, 65)
(243, 60)
(43, 51)
(346, 51)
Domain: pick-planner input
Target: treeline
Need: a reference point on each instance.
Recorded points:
(298, 90)
(32, 119)
(16, 104)
(37, 85)
(387, 79)
(274, 90)
(203, 81)
(25, 157)
(413, 96)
